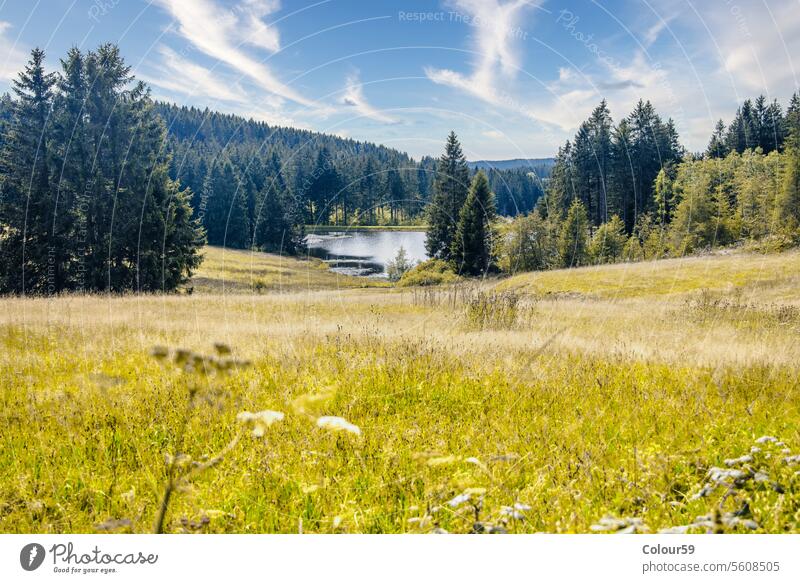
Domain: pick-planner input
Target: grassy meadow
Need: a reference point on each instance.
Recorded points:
(622, 398)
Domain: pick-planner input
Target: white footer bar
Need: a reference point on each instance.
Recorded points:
(417, 558)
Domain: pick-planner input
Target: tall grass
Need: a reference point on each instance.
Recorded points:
(603, 413)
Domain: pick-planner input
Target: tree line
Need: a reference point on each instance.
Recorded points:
(319, 179)
(630, 192)
(103, 189)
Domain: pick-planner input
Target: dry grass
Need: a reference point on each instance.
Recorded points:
(601, 400)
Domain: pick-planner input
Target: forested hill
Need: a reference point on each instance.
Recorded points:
(331, 179)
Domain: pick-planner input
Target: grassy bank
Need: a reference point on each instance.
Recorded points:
(605, 404)
(237, 271)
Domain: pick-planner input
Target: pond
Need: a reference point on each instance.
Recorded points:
(365, 253)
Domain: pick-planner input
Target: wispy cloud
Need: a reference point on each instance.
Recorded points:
(220, 33)
(760, 46)
(496, 27)
(12, 58)
(180, 75)
(354, 97)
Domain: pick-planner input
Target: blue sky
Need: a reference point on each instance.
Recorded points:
(513, 78)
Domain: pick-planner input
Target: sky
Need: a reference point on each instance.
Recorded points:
(513, 78)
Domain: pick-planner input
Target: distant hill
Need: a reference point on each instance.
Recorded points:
(541, 166)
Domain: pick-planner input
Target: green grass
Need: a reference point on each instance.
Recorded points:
(598, 399)
(668, 277)
(237, 271)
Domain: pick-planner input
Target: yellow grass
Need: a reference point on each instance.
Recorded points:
(597, 399)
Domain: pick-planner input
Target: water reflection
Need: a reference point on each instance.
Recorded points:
(365, 253)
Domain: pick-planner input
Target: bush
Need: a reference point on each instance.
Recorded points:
(431, 272)
(399, 265)
(493, 311)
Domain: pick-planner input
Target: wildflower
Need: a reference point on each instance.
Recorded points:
(675, 529)
(792, 459)
(337, 521)
(718, 475)
(458, 500)
(704, 491)
(475, 491)
(337, 424)
(766, 439)
(129, 495)
(420, 521)
(761, 477)
(512, 512)
(259, 421)
(745, 459)
(521, 507)
(620, 525)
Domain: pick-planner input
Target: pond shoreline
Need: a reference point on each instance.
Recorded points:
(311, 229)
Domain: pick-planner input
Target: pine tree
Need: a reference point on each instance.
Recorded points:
(450, 192)
(573, 241)
(472, 247)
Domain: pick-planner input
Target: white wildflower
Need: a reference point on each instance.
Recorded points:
(337, 424)
(260, 420)
(745, 459)
(766, 439)
(457, 501)
(512, 513)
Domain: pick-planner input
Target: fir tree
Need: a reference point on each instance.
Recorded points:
(472, 245)
(450, 192)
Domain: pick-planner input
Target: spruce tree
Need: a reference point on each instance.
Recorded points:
(27, 210)
(225, 219)
(472, 244)
(450, 192)
(573, 241)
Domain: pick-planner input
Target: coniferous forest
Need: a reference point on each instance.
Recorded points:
(104, 189)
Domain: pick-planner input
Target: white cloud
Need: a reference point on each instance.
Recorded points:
(220, 33)
(12, 58)
(178, 74)
(496, 26)
(760, 46)
(354, 97)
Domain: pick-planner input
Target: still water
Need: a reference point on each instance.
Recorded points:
(365, 253)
